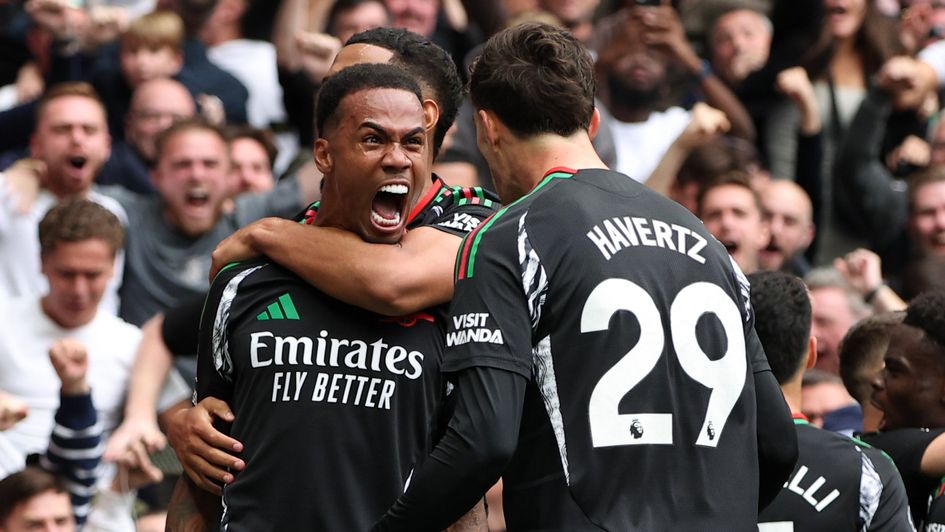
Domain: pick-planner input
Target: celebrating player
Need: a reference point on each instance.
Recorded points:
(334, 404)
(601, 340)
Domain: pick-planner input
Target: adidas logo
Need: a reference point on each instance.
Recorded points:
(280, 309)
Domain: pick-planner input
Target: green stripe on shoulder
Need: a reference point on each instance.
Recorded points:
(469, 268)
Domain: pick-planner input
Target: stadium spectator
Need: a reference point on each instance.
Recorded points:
(154, 106)
(837, 307)
(634, 67)
(253, 63)
(788, 212)
(79, 241)
(253, 155)
(740, 41)
(731, 211)
(185, 221)
(68, 149)
(33, 499)
(827, 404)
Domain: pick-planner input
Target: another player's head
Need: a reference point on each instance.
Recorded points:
(71, 137)
(927, 210)
(152, 47)
(191, 174)
(33, 499)
(155, 105)
(789, 214)
(78, 242)
(371, 148)
(911, 388)
(432, 67)
(861, 360)
(731, 211)
(782, 321)
(837, 307)
(531, 83)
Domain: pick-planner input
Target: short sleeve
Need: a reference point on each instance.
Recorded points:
(489, 323)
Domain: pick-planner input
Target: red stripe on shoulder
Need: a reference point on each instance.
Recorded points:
(426, 199)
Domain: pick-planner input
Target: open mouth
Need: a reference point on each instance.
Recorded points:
(389, 205)
(197, 198)
(730, 246)
(78, 162)
(772, 247)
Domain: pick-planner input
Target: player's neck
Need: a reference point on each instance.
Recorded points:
(792, 394)
(537, 155)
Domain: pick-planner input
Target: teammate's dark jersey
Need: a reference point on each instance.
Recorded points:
(906, 448)
(935, 518)
(838, 484)
(334, 405)
(634, 329)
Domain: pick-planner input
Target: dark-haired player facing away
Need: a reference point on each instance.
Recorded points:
(334, 404)
(911, 392)
(601, 341)
(838, 483)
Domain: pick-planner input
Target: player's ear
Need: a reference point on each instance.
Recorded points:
(811, 352)
(594, 126)
(323, 159)
(431, 114)
(488, 127)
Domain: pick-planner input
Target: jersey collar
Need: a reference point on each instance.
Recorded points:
(427, 198)
(559, 169)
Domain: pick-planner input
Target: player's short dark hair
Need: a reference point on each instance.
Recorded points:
(782, 320)
(431, 65)
(23, 486)
(927, 312)
(195, 123)
(537, 79)
(357, 78)
(77, 220)
(263, 137)
(81, 89)
(864, 347)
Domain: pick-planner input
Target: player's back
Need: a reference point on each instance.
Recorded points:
(838, 484)
(641, 412)
(334, 405)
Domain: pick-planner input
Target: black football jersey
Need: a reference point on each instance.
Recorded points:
(334, 405)
(634, 328)
(838, 484)
(906, 447)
